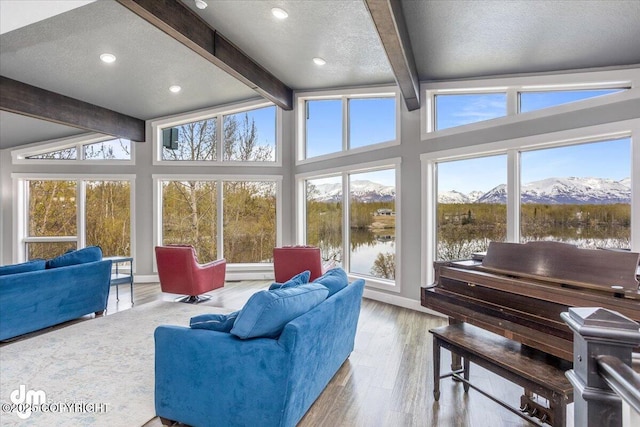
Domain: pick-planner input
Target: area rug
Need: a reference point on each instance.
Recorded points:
(99, 372)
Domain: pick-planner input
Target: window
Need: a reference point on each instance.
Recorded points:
(372, 223)
(114, 149)
(54, 208)
(567, 186)
(458, 110)
(108, 216)
(324, 127)
(371, 121)
(530, 101)
(81, 149)
(323, 220)
(249, 221)
(471, 206)
(65, 154)
(364, 238)
(580, 194)
(235, 219)
(334, 124)
(251, 136)
(463, 106)
(52, 214)
(246, 134)
(194, 141)
(189, 216)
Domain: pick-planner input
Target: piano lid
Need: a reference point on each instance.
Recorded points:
(566, 264)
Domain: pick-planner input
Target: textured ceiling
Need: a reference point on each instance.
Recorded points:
(450, 39)
(62, 53)
(339, 31)
(466, 39)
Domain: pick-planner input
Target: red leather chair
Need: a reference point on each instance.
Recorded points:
(180, 273)
(291, 260)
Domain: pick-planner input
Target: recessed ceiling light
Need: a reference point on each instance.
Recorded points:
(319, 61)
(108, 58)
(175, 88)
(279, 13)
(201, 4)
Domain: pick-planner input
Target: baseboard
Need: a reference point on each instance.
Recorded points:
(399, 301)
(151, 278)
(229, 276)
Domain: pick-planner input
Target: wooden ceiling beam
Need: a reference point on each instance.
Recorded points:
(392, 29)
(21, 98)
(180, 23)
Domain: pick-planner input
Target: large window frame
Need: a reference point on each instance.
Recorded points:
(21, 209)
(343, 95)
(216, 114)
(219, 179)
(344, 173)
(21, 156)
(619, 79)
(512, 148)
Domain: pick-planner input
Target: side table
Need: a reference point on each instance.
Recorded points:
(118, 278)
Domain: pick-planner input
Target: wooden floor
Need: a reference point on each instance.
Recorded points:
(388, 379)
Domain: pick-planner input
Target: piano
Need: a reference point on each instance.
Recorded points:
(519, 290)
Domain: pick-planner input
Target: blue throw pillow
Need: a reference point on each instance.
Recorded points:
(214, 322)
(81, 256)
(33, 265)
(334, 279)
(297, 280)
(267, 312)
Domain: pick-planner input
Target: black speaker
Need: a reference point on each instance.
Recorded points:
(170, 138)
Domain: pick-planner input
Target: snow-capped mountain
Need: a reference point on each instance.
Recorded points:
(569, 190)
(453, 196)
(362, 190)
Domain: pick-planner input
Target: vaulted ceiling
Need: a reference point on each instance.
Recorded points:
(55, 46)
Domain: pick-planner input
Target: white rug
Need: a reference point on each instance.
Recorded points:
(102, 369)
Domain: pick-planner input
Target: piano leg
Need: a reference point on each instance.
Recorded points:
(467, 365)
(436, 369)
(456, 361)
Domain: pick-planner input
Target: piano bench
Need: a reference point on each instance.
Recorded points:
(537, 372)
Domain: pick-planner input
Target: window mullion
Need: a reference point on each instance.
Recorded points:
(220, 218)
(81, 195)
(512, 101)
(346, 233)
(219, 138)
(513, 196)
(345, 123)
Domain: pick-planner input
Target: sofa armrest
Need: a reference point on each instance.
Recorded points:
(319, 342)
(206, 377)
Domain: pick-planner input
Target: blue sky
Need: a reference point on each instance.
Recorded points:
(265, 119)
(607, 159)
(371, 121)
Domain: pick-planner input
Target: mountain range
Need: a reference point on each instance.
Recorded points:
(362, 191)
(553, 191)
(569, 190)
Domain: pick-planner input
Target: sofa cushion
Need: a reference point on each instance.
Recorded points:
(267, 312)
(297, 280)
(81, 256)
(334, 279)
(214, 322)
(33, 265)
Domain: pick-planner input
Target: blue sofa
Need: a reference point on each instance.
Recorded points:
(40, 294)
(211, 378)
